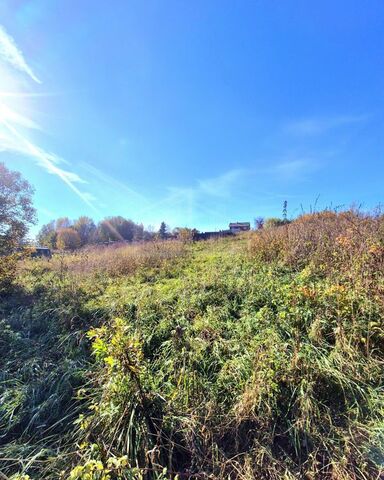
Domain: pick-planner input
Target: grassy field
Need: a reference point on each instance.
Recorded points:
(254, 357)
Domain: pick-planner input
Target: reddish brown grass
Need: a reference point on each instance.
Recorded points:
(350, 241)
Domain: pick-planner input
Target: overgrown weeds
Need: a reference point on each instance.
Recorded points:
(115, 259)
(256, 357)
(348, 242)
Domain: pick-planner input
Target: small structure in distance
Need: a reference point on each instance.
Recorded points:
(40, 252)
(237, 227)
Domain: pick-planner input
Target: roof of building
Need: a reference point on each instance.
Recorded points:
(240, 224)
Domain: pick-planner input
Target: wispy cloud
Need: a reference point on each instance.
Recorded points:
(15, 126)
(293, 168)
(10, 54)
(13, 140)
(112, 182)
(185, 201)
(319, 125)
(218, 191)
(9, 115)
(18, 143)
(213, 196)
(221, 185)
(206, 196)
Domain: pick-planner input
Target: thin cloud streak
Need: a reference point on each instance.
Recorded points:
(107, 179)
(9, 115)
(221, 185)
(319, 125)
(292, 169)
(12, 124)
(13, 56)
(49, 162)
(188, 199)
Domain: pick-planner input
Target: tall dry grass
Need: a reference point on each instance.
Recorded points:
(117, 259)
(349, 242)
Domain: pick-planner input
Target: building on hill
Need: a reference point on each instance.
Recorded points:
(209, 235)
(237, 227)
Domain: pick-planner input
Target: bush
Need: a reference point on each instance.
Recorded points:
(8, 267)
(350, 242)
(274, 222)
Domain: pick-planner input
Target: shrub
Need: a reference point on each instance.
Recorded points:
(273, 222)
(8, 267)
(186, 235)
(350, 242)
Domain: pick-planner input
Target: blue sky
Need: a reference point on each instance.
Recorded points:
(196, 113)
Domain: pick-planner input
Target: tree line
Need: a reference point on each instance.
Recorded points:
(66, 234)
(17, 214)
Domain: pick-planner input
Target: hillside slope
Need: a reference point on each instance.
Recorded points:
(210, 362)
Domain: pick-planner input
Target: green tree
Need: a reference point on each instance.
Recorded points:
(116, 229)
(163, 230)
(109, 231)
(47, 236)
(16, 210)
(16, 216)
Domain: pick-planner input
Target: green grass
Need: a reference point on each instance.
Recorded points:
(212, 362)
